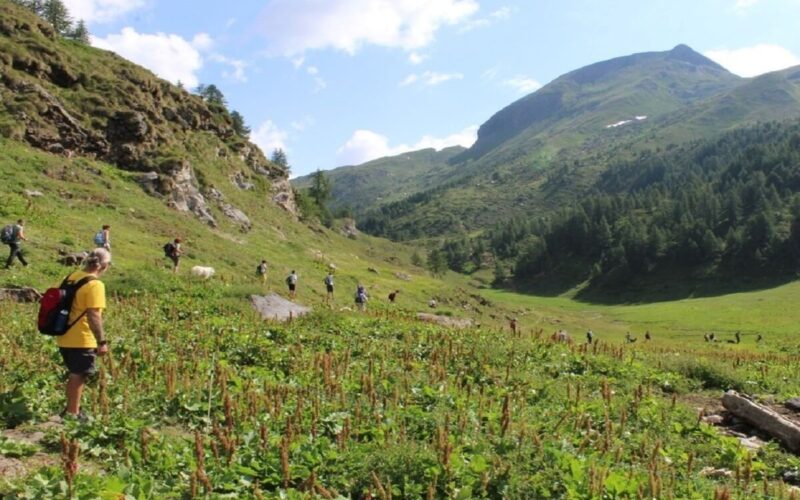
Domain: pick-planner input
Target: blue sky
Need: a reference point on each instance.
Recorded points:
(338, 82)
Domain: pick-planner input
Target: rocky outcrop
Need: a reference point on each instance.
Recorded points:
(349, 229)
(283, 196)
(179, 188)
(236, 216)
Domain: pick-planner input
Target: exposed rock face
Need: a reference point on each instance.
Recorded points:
(446, 321)
(236, 216)
(349, 228)
(178, 186)
(283, 196)
(240, 181)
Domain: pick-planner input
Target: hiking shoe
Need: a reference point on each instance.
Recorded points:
(80, 417)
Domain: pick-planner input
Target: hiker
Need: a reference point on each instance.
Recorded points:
(361, 298)
(759, 339)
(512, 323)
(738, 337)
(589, 336)
(291, 282)
(647, 337)
(432, 303)
(629, 338)
(393, 296)
(261, 271)
(173, 252)
(85, 338)
(11, 235)
(329, 287)
(102, 238)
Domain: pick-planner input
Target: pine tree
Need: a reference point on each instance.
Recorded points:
(56, 13)
(239, 126)
(212, 94)
(437, 263)
(416, 259)
(279, 158)
(320, 188)
(81, 33)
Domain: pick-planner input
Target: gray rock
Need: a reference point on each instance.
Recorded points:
(275, 308)
(793, 404)
(237, 216)
(33, 194)
(402, 276)
(713, 419)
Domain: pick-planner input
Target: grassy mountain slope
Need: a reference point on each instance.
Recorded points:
(385, 180)
(565, 126)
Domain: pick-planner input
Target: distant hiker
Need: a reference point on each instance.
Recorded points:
(173, 252)
(512, 323)
(85, 338)
(647, 336)
(712, 337)
(261, 271)
(291, 282)
(393, 296)
(11, 235)
(630, 339)
(329, 287)
(102, 238)
(432, 303)
(738, 337)
(759, 339)
(589, 336)
(361, 298)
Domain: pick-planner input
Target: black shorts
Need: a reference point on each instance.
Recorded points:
(78, 360)
(330, 288)
(291, 287)
(175, 259)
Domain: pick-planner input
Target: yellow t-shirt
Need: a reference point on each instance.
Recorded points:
(91, 295)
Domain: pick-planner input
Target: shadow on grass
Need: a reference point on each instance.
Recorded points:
(661, 287)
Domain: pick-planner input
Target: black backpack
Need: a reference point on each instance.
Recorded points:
(169, 250)
(7, 234)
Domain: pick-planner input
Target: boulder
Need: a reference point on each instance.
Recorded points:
(348, 228)
(275, 308)
(72, 259)
(24, 294)
(402, 276)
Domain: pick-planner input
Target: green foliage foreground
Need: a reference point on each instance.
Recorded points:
(201, 398)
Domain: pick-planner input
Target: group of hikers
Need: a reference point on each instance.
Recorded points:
(78, 303)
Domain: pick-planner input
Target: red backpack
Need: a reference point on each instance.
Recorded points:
(55, 305)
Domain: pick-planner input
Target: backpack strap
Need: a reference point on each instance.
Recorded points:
(75, 287)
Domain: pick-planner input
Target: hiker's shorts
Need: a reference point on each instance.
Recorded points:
(79, 360)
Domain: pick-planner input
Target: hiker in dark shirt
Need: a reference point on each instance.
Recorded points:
(12, 235)
(393, 296)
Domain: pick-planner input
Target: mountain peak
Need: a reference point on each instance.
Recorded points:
(682, 52)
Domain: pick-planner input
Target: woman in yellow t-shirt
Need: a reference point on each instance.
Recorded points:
(85, 339)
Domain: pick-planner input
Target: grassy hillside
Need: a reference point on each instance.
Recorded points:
(378, 182)
(566, 126)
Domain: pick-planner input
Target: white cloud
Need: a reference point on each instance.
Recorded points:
(295, 26)
(366, 145)
(523, 84)
(303, 124)
(416, 58)
(169, 56)
(237, 67)
(269, 137)
(101, 11)
(498, 15)
(430, 78)
(755, 60)
(202, 41)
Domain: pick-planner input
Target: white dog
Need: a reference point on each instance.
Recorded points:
(203, 272)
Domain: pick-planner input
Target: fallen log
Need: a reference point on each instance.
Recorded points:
(764, 419)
